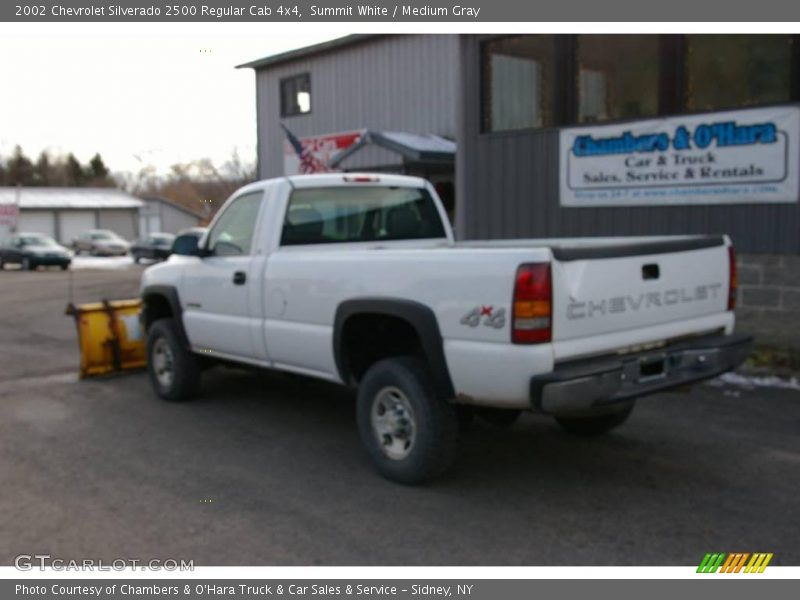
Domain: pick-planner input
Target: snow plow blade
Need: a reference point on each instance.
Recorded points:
(109, 336)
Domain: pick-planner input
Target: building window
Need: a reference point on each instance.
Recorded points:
(533, 81)
(296, 95)
(728, 71)
(517, 86)
(618, 77)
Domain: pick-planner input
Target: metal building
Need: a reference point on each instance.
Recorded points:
(63, 213)
(329, 95)
(160, 215)
(508, 176)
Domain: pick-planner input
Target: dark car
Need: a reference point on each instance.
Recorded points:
(156, 246)
(31, 250)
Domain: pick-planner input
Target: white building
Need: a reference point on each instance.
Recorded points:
(160, 215)
(63, 213)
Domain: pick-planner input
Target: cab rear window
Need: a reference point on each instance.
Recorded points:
(360, 214)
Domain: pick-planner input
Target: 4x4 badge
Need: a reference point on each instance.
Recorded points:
(496, 319)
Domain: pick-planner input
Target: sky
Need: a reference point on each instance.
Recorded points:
(137, 99)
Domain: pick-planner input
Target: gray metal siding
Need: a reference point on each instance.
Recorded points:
(173, 219)
(378, 84)
(507, 187)
(124, 222)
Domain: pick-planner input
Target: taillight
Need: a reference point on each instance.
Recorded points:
(532, 313)
(361, 179)
(732, 284)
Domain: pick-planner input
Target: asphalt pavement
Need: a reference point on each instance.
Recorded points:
(267, 469)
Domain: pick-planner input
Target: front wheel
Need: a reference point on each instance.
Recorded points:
(411, 435)
(174, 371)
(595, 425)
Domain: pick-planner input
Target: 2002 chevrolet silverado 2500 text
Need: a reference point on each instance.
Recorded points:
(357, 279)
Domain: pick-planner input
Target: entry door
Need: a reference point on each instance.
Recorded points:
(216, 288)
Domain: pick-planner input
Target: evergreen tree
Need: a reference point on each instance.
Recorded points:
(76, 176)
(42, 172)
(97, 168)
(19, 169)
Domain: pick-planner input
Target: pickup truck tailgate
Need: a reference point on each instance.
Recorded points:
(604, 289)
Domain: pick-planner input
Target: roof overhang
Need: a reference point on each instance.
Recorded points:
(412, 147)
(300, 53)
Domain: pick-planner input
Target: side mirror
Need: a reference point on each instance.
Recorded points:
(186, 245)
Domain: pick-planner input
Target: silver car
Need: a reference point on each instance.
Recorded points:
(101, 242)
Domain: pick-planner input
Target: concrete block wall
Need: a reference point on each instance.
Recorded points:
(768, 302)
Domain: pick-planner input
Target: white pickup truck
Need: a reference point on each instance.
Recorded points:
(357, 279)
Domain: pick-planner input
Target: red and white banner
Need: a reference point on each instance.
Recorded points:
(9, 216)
(321, 148)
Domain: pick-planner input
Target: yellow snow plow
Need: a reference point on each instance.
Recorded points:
(109, 335)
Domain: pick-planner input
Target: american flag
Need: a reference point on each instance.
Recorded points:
(308, 162)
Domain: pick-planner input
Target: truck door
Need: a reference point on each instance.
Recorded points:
(215, 290)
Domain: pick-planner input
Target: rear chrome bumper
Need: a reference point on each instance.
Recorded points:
(591, 384)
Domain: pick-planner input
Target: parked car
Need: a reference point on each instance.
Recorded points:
(357, 279)
(101, 242)
(156, 246)
(31, 250)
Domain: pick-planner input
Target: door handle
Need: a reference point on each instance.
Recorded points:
(239, 277)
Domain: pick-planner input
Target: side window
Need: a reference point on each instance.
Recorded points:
(232, 234)
(296, 95)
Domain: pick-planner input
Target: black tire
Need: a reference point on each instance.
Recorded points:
(434, 421)
(64, 267)
(185, 366)
(499, 417)
(595, 425)
(466, 416)
(27, 264)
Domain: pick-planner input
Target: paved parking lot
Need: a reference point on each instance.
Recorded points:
(267, 469)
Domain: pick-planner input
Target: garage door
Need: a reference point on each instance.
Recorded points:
(73, 222)
(124, 222)
(37, 221)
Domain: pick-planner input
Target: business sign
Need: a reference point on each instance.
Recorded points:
(744, 156)
(317, 152)
(9, 215)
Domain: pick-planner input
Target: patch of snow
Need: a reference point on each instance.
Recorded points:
(752, 382)
(102, 262)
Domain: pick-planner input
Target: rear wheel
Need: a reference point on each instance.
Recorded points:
(595, 425)
(411, 435)
(174, 371)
